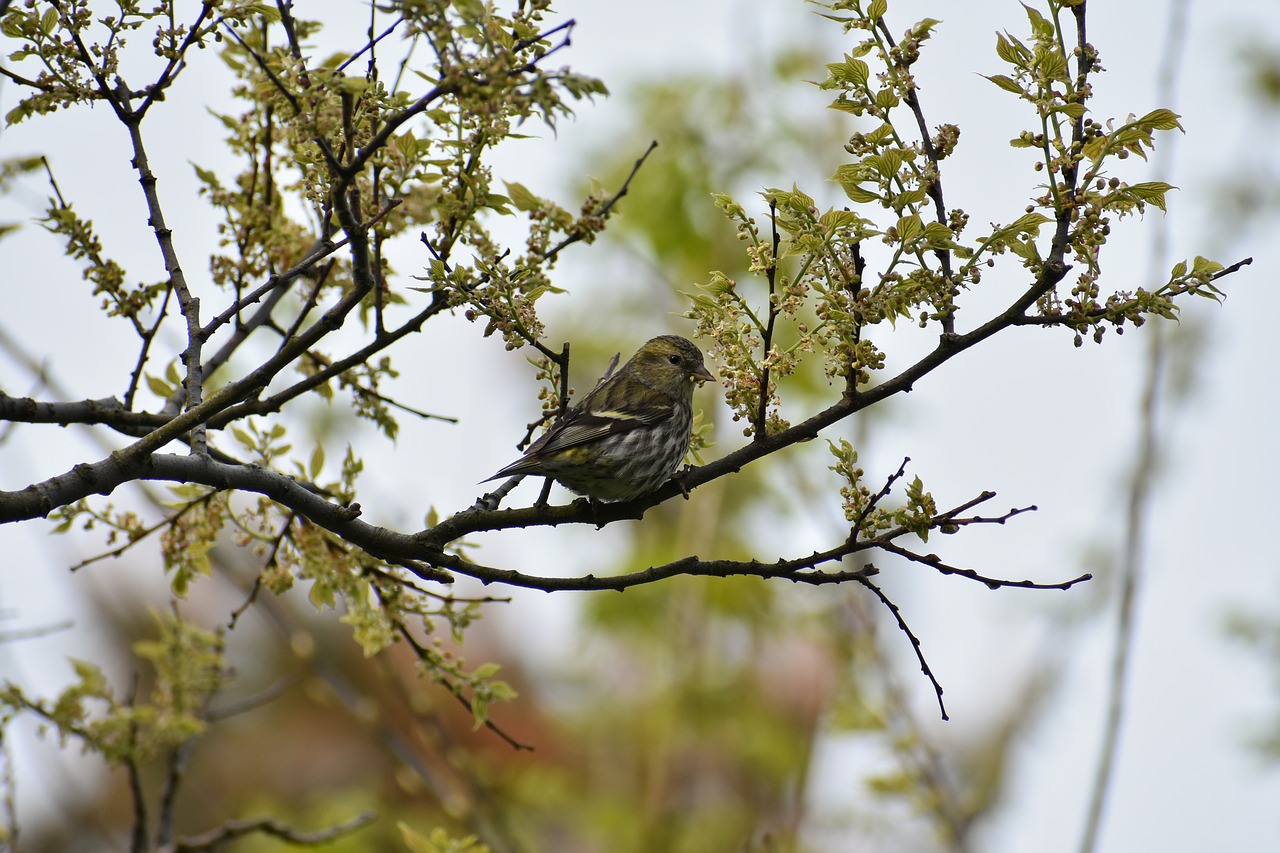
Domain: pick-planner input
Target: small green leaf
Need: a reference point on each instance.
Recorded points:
(1006, 83)
(1041, 27)
(1151, 192)
(1204, 267)
(1029, 224)
(937, 234)
(857, 194)
(244, 437)
(850, 72)
(1161, 120)
(522, 198)
(317, 462)
(909, 227)
(1011, 50)
(487, 670)
(877, 9)
(471, 10)
(158, 386)
(844, 105)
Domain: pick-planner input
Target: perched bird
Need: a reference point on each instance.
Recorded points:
(628, 435)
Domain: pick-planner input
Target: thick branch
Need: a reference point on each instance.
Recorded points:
(406, 549)
(852, 401)
(187, 304)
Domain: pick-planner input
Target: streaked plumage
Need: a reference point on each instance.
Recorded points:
(628, 435)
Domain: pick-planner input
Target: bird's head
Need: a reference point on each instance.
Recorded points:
(670, 362)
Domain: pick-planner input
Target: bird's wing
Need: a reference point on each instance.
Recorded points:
(582, 427)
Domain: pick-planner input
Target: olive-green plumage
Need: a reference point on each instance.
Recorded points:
(628, 435)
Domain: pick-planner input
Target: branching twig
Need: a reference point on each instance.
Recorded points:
(915, 641)
(766, 340)
(370, 44)
(579, 233)
(933, 187)
(935, 562)
(456, 692)
(231, 830)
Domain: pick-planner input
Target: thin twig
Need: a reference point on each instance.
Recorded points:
(934, 188)
(915, 641)
(456, 692)
(370, 44)
(231, 830)
(766, 343)
(605, 209)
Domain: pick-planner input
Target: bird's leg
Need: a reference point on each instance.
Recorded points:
(546, 493)
(678, 479)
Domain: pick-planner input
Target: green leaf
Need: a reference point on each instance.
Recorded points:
(498, 203)
(924, 28)
(910, 227)
(189, 491)
(844, 105)
(1203, 266)
(471, 10)
(1029, 224)
(244, 437)
(1051, 64)
(859, 195)
(849, 176)
(317, 462)
(1041, 27)
(1151, 192)
(1161, 120)
(840, 220)
(851, 71)
(487, 670)
(1006, 83)
(887, 163)
(937, 234)
(877, 9)
(1011, 50)
(158, 386)
(321, 595)
(414, 840)
(521, 197)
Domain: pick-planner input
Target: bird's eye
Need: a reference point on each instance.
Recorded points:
(674, 359)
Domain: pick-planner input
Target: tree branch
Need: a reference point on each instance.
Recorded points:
(234, 829)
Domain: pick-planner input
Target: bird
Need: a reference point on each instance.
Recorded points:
(629, 434)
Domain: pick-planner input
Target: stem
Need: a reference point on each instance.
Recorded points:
(762, 413)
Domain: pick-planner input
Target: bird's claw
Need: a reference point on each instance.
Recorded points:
(678, 479)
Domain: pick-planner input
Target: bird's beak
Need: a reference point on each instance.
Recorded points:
(704, 375)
